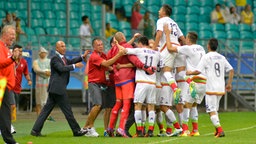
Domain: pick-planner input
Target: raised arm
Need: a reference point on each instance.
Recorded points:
(169, 45)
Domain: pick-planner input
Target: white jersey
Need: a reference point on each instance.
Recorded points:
(215, 65)
(176, 32)
(193, 55)
(150, 58)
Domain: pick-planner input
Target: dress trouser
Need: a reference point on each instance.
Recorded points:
(5, 119)
(62, 101)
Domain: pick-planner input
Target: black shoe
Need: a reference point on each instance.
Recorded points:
(37, 134)
(79, 133)
(149, 134)
(128, 134)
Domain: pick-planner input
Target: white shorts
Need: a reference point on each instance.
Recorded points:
(158, 95)
(166, 96)
(200, 93)
(212, 103)
(184, 91)
(180, 60)
(167, 58)
(145, 93)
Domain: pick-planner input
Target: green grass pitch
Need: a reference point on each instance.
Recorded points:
(239, 128)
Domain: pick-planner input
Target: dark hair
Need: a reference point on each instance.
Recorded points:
(107, 23)
(84, 17)
(111, 41)
(97, 38)
(192, 36)
(217, 5)
(143, 40)
(213, 43)
(16, 46)
(167, 9)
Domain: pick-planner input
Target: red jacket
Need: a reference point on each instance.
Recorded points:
(124, 75)
(7, 66)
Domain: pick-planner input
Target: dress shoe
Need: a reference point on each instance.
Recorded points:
(79, 133)
(37, 134)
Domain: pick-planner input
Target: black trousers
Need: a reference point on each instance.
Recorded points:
(5, 119)
(130, 120)
(62, 101)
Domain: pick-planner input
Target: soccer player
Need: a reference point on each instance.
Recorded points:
(215, 65)
(124, 84)
(166, 57)
(193, 53)
(145, 91)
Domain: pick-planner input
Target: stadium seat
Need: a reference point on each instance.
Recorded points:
(219, 34)
(181, 25)
(23, 39)
(127, 33)
(219, 2)
(127, 2)
(192, 27)
(205, 34)
(95, 8)
(153, 9)
(233, 44)
(85, 1)
(203, 43)
(233, 35)
(194, 2)
(48, 23)
(33, 40)
(22, 14)
(10, 6)
(60, 23)
(74, 24)
(246, 45)
(244, 27)
(128, 10)
(2, 13)
(35, 6)
(97, 24)
(205, 10)
(124, 25)
(153, 3)
(74, 7)
(180, 2)
(60, 14)
(192, 18)
(2, 5)
(53, 31)
(36, 23)
(169, 2)
(39, 31)
(193, 10)
(36, 14)
(179, 10)
(218, 27)
(114, 24)
(21, 5)
(45, 7)
(74, 15)
(205, 26)
(49, 15)
(179, 17)
(231, 27)
(246, 35)
(254, 34)
(110, 17)
(29, 31)
(59, 6)
(85, 7)
(118, 3)
(232, 59)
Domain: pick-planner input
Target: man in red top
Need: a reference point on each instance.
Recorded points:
(124, 82)
(8, 35)
(21, 67)
(98, 65)
(136, 17)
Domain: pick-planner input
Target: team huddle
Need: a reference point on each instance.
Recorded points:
(173, 71)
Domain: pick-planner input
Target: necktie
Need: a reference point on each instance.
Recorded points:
(64, 60)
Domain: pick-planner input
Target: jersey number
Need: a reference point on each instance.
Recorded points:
(217, 69)
(146, 61)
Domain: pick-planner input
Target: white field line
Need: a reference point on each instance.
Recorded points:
(230, 131)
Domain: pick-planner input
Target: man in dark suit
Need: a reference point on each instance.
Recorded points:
(59, 79)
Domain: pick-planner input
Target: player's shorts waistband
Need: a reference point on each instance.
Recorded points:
(147, 82)
(164, 46)
(215, 93)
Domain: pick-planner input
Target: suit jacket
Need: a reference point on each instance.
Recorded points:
(60, 74)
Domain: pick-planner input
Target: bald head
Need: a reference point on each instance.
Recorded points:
(61, 47)
(119, 36)
(8, 34)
